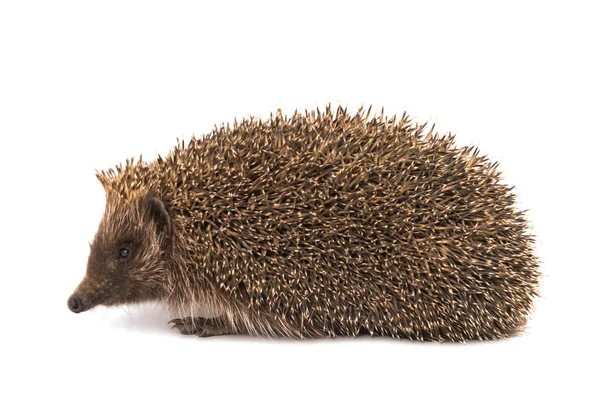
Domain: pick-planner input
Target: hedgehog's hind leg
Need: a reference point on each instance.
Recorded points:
(200, 326)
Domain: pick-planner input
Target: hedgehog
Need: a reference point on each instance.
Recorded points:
(326, 223)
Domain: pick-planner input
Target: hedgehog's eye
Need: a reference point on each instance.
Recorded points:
(124, 253)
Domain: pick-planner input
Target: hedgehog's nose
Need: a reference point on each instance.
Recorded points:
(75, 303)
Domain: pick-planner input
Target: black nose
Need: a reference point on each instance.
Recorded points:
(75, 304)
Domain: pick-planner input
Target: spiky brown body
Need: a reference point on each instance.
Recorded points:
(329, 224)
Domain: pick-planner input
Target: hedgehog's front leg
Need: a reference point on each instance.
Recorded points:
(200, 326)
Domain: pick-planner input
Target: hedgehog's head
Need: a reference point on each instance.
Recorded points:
(128, 257)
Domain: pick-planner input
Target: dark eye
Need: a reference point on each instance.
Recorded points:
(124, 253)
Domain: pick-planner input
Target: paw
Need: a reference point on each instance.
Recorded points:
(198, 326)
(186, 326)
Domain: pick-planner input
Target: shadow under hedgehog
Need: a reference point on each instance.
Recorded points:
(322, 224)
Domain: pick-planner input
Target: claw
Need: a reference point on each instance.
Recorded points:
(204, 333)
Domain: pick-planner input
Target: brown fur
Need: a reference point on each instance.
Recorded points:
(322, 224)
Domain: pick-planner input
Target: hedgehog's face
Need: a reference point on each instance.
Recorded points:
(127, 262)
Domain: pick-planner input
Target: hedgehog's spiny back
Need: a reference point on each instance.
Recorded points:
(338, 223)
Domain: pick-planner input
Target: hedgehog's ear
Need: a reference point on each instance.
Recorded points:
(159, 214)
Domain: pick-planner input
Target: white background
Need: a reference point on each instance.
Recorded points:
(84, 85)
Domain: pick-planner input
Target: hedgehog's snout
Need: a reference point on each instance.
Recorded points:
(75, 304)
